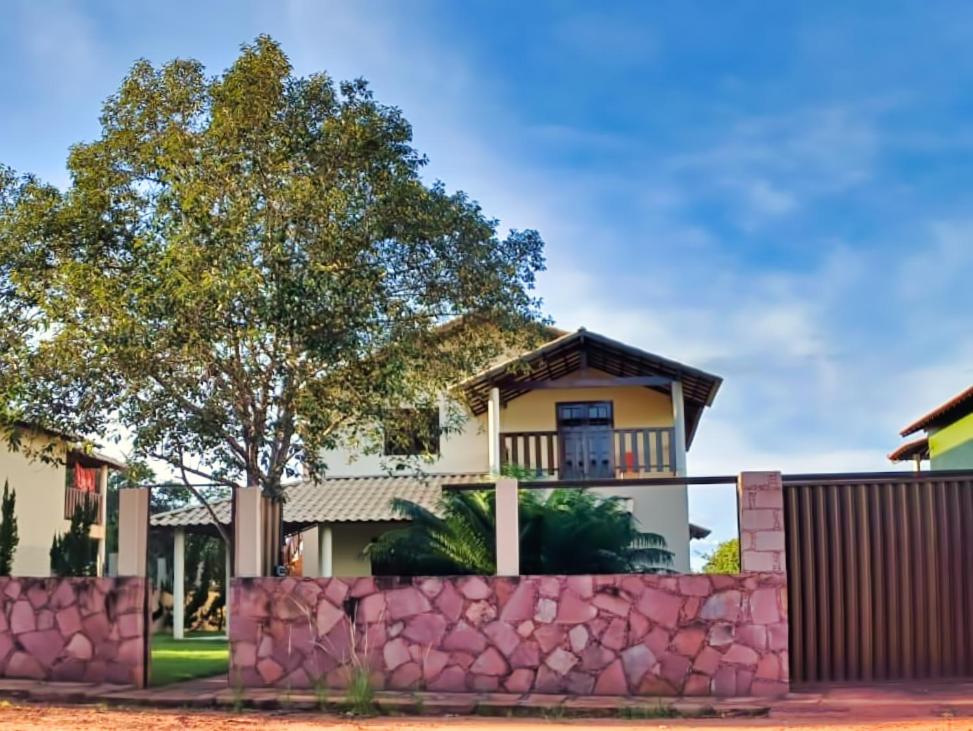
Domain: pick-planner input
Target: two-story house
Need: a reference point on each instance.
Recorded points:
(581, 407)
(48, 490)
(947, 439)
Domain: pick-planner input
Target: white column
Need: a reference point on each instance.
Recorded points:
(508, 527)
(679, 427)
(103, 520)
(178, 583)
(325, 551)
(679, 544)
(493, 430)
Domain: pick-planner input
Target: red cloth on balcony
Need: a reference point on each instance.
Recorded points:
(86, 478)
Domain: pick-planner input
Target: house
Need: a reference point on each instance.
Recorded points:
(49, 489)
(581, 407)
(947, 440)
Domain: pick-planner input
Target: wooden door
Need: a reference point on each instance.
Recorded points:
(585, 435)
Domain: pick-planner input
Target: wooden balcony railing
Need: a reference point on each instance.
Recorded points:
(634, 452)
(74, 497)
(536, 452)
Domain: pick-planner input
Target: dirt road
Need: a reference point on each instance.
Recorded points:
(88, 718)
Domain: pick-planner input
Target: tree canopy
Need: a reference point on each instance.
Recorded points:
(725, 559)
(570, 531)
(246, 270)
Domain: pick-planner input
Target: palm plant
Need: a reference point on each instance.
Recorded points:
(566, 532)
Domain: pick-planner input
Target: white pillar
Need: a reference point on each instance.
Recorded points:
(101, 569)
(178, 583)
(679, 428)
(493, 430)
(679, 494)
(508, 527)
(325, 551)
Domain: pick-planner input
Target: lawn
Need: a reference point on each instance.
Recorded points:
(193, 657)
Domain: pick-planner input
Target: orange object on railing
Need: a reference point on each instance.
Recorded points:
(86, 478)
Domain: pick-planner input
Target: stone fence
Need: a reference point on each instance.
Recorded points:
(74, 629)
(605, 635)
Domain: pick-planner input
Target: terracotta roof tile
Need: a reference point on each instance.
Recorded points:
(910, 450)
(962, 400)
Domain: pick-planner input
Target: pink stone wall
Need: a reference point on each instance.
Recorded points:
(609, 635)
(73, 629)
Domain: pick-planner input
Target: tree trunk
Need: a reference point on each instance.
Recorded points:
(273, 534)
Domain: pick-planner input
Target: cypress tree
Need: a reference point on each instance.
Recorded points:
(8, 529)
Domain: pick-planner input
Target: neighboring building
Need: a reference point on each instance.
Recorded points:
(947, 441)
(580, 407)
(48, 491)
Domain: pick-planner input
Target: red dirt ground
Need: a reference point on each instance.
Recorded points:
(89, 718)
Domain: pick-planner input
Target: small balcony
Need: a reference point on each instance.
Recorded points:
(73, 497)
(612, 453)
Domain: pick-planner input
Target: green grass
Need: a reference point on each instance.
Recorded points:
(194, 657)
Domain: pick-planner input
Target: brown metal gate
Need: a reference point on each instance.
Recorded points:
(879, 574)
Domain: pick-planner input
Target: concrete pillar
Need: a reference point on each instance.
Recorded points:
(679, 428)
(102, 567)
(493, 431)
(676, 497)
(325, 551)
(508, 527)
(760, 496)
(133, 531)
(247, 531)
(178, 583)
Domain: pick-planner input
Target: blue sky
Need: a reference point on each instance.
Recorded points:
(778, 193)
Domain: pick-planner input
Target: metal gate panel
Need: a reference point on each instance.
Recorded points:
(879, 576)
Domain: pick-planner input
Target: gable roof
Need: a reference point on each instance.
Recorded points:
(77, 451)
(573, 352)
(955, 408)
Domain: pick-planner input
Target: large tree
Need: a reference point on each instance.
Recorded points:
(247, 269)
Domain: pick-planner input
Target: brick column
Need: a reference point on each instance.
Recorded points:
(761, 503)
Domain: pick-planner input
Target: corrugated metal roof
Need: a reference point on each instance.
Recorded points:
(336, 500)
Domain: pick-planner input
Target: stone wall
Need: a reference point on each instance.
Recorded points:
(610, 635)
(73, 629)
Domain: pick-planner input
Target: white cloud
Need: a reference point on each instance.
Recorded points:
(775, 165)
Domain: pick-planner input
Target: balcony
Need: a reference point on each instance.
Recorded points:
(615, 453)
(74, 497)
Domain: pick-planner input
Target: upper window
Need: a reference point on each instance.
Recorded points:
(585, 413)
(412, 432)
